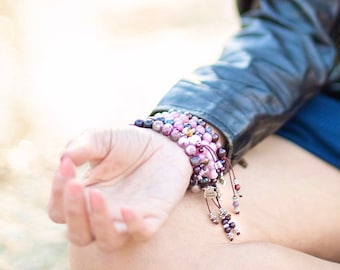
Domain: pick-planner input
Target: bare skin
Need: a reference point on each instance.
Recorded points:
(290, 209)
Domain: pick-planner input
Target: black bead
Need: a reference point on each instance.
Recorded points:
(227, 230)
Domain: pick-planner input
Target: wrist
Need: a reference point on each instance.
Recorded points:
(208, 159)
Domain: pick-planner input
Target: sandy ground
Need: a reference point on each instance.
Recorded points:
(69, 65)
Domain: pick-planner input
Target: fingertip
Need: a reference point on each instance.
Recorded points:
(96, 199)
(128, 215)
(67, 167)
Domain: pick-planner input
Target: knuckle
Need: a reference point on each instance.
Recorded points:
(78, 239)
(107, 246)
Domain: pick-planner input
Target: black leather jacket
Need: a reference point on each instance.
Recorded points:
(283, 54)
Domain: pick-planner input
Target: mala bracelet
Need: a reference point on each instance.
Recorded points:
(208, 159)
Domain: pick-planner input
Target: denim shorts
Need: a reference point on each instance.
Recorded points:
(316, 128)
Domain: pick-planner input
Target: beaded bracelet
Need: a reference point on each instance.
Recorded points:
(208, 159)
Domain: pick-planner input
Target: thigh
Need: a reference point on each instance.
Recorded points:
(291, 198)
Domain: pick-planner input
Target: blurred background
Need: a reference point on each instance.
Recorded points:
(68, 65)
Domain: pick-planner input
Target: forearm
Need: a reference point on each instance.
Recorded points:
(278, 60)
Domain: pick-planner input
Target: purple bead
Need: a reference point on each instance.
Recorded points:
(157, 125)
(207, 137)
(201, 122)
(192, 123)
(214, 137)
(183, 142)
(184, 118)
(225, 221)
(213, 174)
(227, 230)
(166, 130)
(175, 135)
(221, 153)
(178, 125)
(194, 139)
(236, 204)
(195, 161)
(190, 150)
(232, 224)
(197, 169)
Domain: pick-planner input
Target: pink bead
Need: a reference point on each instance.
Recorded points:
(211, 165)
(218, 145)
(157, 126)
(190, 150)
(194, 139)
(195, 118)
(236, 204)
(213, 174)
(204, 143)
(184, 118)
(192, 123)
(204, 172)
(207, 137)
(166, 130)
(200, 129)
(175, 114)
(175, 135)
(213, 146)
(203, 158)
(183, 142)
(179, 126)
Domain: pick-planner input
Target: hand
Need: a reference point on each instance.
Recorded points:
(134, 179)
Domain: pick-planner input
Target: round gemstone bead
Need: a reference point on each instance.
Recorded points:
(148, 123)
(166, 130)
(207, 137)
(232, 224)
(184, 118)
(183, 142)
(200, 129)
(169, 121)
(213, 174)
(221, 153)
(197, 169)
(194, 139)
(178, 125)
(190, 150)
(236, 204)
(192, 123)
(214, 137)
(139, 123)
(195, 161)
(201, 122)
(227, 230)
(195, 189)
(175, 135)
(157, 125)
(237, 187)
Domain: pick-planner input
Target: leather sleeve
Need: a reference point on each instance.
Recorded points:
(279, 59)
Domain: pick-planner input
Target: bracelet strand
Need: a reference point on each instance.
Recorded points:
(207, 158)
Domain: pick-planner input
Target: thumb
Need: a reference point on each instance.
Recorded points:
(91, 146)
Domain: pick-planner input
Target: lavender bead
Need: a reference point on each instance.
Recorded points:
(183, 142)
(190, 150)
(166, 130)
(157, 125)
(207, 137)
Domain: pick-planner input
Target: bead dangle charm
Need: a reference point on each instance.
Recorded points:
(208, 160)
